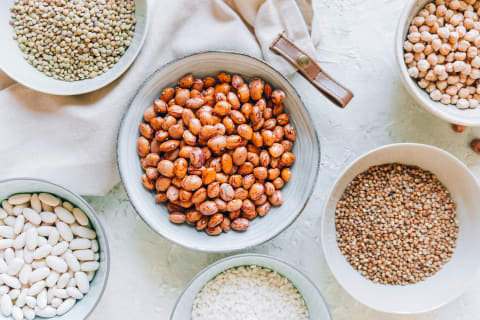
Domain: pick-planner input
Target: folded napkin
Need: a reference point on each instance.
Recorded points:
(71, 140)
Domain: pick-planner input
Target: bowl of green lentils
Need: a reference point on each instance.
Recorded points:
(70, 47)
(401, 228)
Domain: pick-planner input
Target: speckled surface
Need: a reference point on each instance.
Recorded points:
(356, 46)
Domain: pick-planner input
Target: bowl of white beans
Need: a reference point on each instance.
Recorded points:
(428, 45)
(54, 254)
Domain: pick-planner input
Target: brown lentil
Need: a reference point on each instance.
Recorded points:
(396, 224)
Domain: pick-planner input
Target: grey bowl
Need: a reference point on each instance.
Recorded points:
(17, 68)
(296, 192)
(87, 304)
(315, 302)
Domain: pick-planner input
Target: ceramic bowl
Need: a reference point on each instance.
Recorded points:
(450, 113)
(455, 276)
(85, 306)
(17, 68)
(296, 192)
(316, 305)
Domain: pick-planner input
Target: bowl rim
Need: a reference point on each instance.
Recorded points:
(123, 124)
(251, 255)
(72, 91)
(434, 107)
(343, 283)
(92, 215)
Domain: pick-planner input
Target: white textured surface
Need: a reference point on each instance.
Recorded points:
(356, 46)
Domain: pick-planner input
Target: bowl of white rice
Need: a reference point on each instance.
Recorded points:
(250, 287)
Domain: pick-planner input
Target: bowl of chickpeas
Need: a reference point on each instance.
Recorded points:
(437, 51)
(217, 152)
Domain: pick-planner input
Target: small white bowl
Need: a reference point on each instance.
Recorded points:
(84, 306)
(455, 276)
(315, 302)
(450, 113)
(17, 68)
(296, 192)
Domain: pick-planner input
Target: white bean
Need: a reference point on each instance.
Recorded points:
(17, 313)
(28, 313)
(31, 301)
(10, 281)
(38, 264)
(72, 283)
(52, 279)
(61, 293)
(41, 241)
(44, 231)
(20, 198)
(25, 273)
(28, 256)
(6, 232)
(35, 203)
(3, 214)
(14, 294)
(48, 217)
(64, 215)
(82, 282)
(21, 298)
(60, 248)
(47, 312)
(32, 216)
(89, 266)
(72, 262)
(84, 255)
(53, 237)
(65, 306)
(42, 251)
(42, 299)
(14, 266)
(17, 210)
(5, 243)
(39, 274)
(64, 231)
(78, 244)
(49, 199)
(80, 216)
(19, 241)
(4, 290)
(56, 302)
(3, 266)
(83, 232)
(19, 224)
(63, 280)
(9, 255)
(56, 264)
(6, 305)
(51, 294)
(31, 239)
(36, 288)
(74, 293)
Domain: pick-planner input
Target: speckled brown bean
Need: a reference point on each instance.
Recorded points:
(160, 197)
(152, 173)
(248, 181)
(278, 134)
(193, 216)
(290, 132)
(169, 145)
(234, 141)
(263, 198)
(162, 183)
(152, 159)
(176, 131)
(278, 183)
(207, 131)
(181, 96)
(157, 123)
(171, 155)
(234, 205)
(229, 125)
(256, 89)
(257, 139)
(260, 173)
(202, 223)
(184, 195)
(277, 109)
(209, 82)
(226, 192)
(160, 136)
(245, 168)
(208, 208)
(235, 180)
(276, 199)
(225, 225)
(232, 98)
(194, 103)
(256, 191)
(147, 183)
(269, 188)
(172, 193)
(215, 220)
(273, 173)
(186, 81)
(197, 158)
(234, 214)
(149, 114)
(177, 217)
(286, 174)
(248, 206)
(253, 158)
(217, 144)
(214, 231)
(167, 94)
(287, 145)
(237, 81)
(222, 108)
(166, 168)
(143, 146)
(189, 138)
(160, 106)
(222, 87)
(239, 156)
(146, 130)
(175, 111)
(177, 182)
(198, 84)
(221, 205)
(287, 159)
(213, 190)
(240, 224)
(263, 209)
(237, 117)
(227, 163)
(250, 215)
(267, 91)
(191, 183)
(172, 207)
(216, 163)
(268, 138)
(278, 96)
(199, 196)
(276, 150)
(185, 152)
(247, 109)
(243, 93)
(208, 175)
(269, 124)
(241, 193)
(219, 97)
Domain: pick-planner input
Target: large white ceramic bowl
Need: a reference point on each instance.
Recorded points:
(17, 68)
(82, 308)
(296, 192)
(455, 276)
(316, 305)
(450, 113)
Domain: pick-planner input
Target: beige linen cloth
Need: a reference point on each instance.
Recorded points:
(71, 140)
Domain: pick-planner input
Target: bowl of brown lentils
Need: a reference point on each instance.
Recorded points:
(217, 152)
(70, 47)
(437, 48)
(401, 228)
